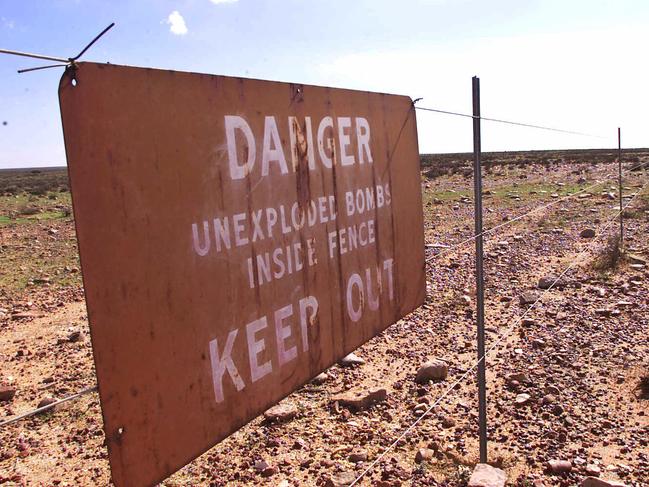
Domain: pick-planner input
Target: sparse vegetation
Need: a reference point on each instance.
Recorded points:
(608, 257)
(37, 182)
(643, 385)
(40, 275)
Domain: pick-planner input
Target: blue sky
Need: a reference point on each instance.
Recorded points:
(577, 65)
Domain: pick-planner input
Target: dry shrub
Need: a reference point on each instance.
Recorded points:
(609, 256)
(28, 210)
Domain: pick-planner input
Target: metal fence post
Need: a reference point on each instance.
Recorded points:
(479, 257)
(619, 165)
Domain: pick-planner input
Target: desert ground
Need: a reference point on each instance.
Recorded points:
(568, 379)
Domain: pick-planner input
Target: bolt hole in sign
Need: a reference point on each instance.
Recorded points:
(237, 237)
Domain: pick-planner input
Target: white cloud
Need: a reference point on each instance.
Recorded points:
(217, 2)
(177, 23)
(9, 24)
(553, 79)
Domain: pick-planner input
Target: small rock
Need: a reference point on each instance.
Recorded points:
(546, 283)
(520, 377)
(361, 400)
(424, 455)
(358, 455)
(299, 444)
(559, 466)
(434, 370)
(26, 314)
(485, 475)
(280, 413)
(269, 472)
(341, 479)
(538, 343)
(587, 233)
(46, 401)
(75, 336)
(596, 482)
(552, 390)
(7, 393)
(593, 470)
(351, 360)
(522, 399)
(320, 378)
(465, 300)
(528, 298)
(549, 399)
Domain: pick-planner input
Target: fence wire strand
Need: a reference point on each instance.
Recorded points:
(510, 122)
(499, 339)
(42, 409)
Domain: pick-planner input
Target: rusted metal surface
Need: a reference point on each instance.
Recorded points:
(237, 237)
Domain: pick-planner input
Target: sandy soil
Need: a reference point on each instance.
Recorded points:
(578, 355)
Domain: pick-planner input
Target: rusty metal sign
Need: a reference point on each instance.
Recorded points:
(237, 237)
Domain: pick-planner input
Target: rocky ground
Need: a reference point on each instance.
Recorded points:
(563, 374)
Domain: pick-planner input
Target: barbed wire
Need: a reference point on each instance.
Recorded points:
(508, 122)
(524, 215)
(445, 251)
(62, 61)
(499, 339)
(42, 409)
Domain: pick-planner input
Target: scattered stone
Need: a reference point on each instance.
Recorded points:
(552, 390)
(448, 422)
(596, 482)
(361, 400)
(46, 401)
(264, 469)
(522, 399)
(281, 413)
(320, 378)
(434, 370)
(299, 444)
(538, 343)
(520, 377)
(269, 472)
(587, 233)
(75, 336)
(26, 315)
(528, 298)
(485, 475)
(7, 393)
(358, 455)
(549, 399)
(341, 479)
(424, 455)
(549, 281)
(351, 360)
(559, 466)
(593, 470)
